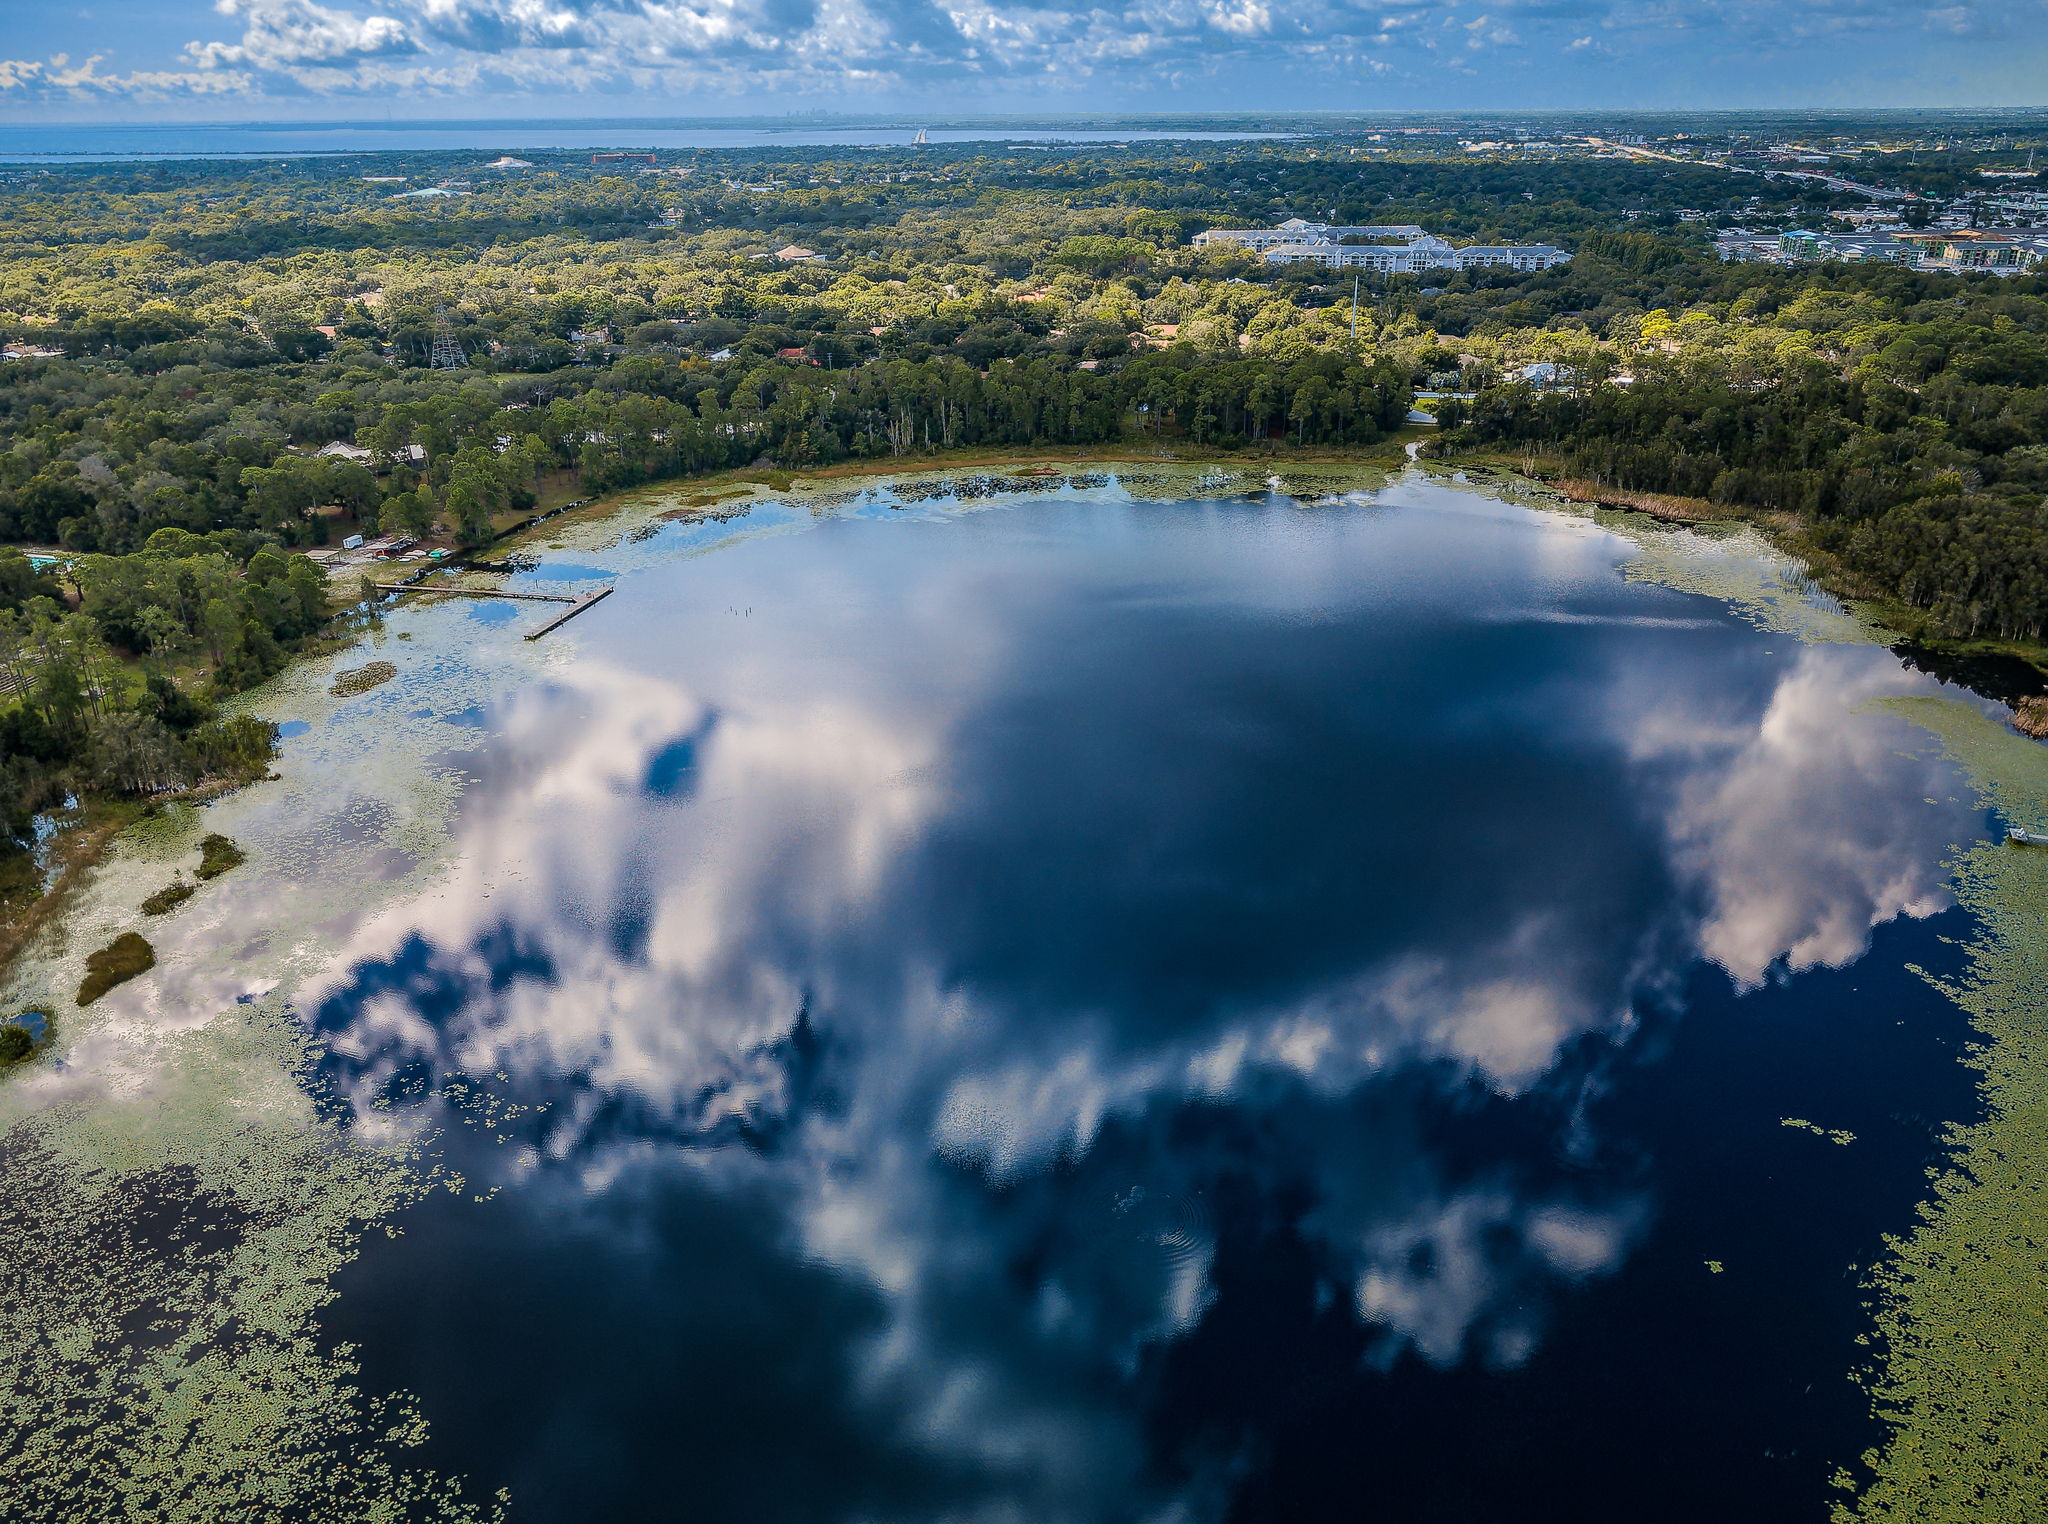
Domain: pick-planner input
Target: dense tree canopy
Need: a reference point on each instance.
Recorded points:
(218, 366)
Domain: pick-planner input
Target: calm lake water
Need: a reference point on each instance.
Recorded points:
(1114, 1000)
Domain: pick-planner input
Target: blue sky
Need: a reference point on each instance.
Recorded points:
(276, 59)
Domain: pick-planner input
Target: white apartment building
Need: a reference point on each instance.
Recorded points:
(1297, 242)
(1297, 230)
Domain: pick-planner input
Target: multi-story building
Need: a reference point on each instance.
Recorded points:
(2007, 252)
(1801, 248)
(1405, 249)
(1966, 249)
(1298, 230)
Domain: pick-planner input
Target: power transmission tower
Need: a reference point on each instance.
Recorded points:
(447, 353)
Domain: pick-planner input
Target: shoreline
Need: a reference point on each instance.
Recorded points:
(80, 848)
(715, 488)
(84, 844)
(1955, 1362)
(1994, 667)
(2001, 671)
(76, 851)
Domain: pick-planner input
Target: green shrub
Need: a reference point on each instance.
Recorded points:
(169, 898)
(217, 854)
(119, 961)
(239, 747)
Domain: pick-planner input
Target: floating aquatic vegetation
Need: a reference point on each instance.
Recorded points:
(217, 854)
(160, 1354)
(1732, 563)
(706, 508)
(1743, 570)
(1833, 1135)
(1962, 1324)
(362, 679)
(126, 957)
(161, 1358)
(1312, 483)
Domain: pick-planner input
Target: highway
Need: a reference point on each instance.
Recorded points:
(1833, 182)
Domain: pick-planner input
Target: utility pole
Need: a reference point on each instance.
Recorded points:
(447, 352)
(1354, 306)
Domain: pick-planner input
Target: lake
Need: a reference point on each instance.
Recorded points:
(1136, 994)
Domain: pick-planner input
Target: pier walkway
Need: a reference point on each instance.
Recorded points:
(576, 605)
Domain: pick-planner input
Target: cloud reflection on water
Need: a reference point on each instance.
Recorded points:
(909, 934)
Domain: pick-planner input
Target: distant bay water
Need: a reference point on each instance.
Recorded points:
(178, 140)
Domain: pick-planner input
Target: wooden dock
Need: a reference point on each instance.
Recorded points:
(569, 613)
(575, 604)
(487, 592)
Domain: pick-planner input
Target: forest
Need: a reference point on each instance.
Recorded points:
(185, 340)
(1897, 419)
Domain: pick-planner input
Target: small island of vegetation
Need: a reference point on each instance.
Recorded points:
(127, 957)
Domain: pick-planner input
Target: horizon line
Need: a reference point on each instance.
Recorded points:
(913, 117)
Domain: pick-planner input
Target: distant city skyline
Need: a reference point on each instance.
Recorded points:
(223, 60)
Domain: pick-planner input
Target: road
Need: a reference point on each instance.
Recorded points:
(1832, 182)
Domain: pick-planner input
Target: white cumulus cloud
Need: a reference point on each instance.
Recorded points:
(287, 35)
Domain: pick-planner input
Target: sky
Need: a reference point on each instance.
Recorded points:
(224, 60)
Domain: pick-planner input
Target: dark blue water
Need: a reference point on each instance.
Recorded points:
(1098, 1009)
